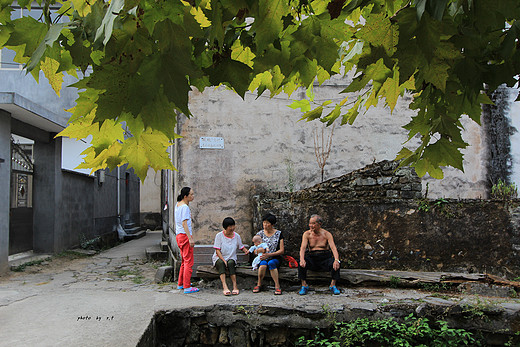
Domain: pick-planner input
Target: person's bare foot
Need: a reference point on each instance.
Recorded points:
(235, 292)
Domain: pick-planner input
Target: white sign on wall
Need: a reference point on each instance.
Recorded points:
(212, 142)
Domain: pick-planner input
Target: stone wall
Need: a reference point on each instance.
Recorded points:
(270, 325)
(376, 228)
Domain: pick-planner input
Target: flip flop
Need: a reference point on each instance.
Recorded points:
(235, 292)
(277, 291)
(256, 289)
(226, 292)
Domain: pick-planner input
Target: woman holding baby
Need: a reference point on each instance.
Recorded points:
(272, 257)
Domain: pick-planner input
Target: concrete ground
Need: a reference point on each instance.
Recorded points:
(110, 299)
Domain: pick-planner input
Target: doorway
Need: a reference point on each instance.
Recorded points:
(21, 209)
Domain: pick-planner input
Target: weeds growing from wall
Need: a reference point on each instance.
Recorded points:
(395, 281)
(504, 191)
(442, 205)
(387, 332)
(437, 287)
(89, 243)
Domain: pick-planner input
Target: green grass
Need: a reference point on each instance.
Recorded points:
(21, 268)
(137, 277)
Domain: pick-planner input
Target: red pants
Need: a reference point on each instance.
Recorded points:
(187, 260)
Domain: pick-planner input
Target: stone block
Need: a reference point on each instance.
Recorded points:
(486, 289)
(164, 274)
(406, 187)
(401, 172)
(392, 194)
(238, 336)
(277, 337)
(384, 180)
(223, 337)
(369, 181)
(209, 336)
(389, 165)
(417, 187)
(408, 194)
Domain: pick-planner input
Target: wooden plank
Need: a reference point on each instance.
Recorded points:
(370, 277)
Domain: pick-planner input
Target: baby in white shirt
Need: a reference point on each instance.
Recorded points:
(258, 248)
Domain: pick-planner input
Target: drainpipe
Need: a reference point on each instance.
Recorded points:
(118, 192)
(121, 233)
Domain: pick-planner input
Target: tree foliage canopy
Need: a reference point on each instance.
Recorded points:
(137, 60)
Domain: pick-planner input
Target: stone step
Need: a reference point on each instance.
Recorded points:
(133, 230)
(136, 235)
(164, 245)
(156, 253)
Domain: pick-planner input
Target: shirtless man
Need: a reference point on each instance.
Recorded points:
(318, 253)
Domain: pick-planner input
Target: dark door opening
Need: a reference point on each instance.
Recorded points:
(21, 211)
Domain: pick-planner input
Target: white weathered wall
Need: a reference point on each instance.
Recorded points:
(263, 138)
(514, 116)
(150, 192)
(470, 184)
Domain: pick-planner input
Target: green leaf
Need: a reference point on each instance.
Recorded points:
(304, 105)
(391, 90)
(436, 73)
(421, 167)
(484, 99)
(242, 54)
(52, 35)
(352, 113)
(306, 70)
(403, 153)
(269, 24)
(333, 115)
(110, 157)
(50, 69)
(421, 7)
(105, 30)
(26, 32)
(444, 153)
(436, 8)
(149, 149)
(233, 73)
(81, 127)
(376, 72)
(109, 132)
(379, 32)
(312, 115)
(83, 7)
(160, 115)
(5, 14)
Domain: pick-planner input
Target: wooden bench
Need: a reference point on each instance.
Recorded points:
(202, 256)
(361, 277)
